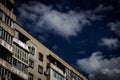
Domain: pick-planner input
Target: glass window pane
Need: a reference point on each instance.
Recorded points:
(1, 14)
(0, 32)
(40, 56)
(40, 69)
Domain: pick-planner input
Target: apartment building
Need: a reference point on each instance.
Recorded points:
(22, 57)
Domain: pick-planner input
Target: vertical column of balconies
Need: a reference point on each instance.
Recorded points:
(6, 37)
(20, 58)
(8, 61)
(55, 69)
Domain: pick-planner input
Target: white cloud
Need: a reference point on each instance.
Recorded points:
(55, 47)
(100, 68)
(65, 24)
(115, 27)
(106, 74)
(111, 43)
(101, 8)
(93, 62)
(93, 14)
(45, 18)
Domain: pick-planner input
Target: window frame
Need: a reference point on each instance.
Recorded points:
(32, 50)
(31, 63)
(1, 31)
(40, 69)
(40, 56)
(1, 14)
(31, 76)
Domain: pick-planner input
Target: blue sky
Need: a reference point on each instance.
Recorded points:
(85, 33)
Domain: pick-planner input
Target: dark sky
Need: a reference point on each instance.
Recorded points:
(85, 33)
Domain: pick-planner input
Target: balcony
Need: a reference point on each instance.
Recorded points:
(7, 11)
(5, 64)
(19, 73)
(21, 44)
(6, 45)
(12, 69)
(56, 69)
(6, 28)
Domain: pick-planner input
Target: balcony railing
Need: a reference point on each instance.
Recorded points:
(12, 69)
(6, 28)
(56, 69)
(6, 45)
(20, 43)
(5, 64)
(7, 11)
(20, 73)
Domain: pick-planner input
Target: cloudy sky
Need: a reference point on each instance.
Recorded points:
(85, 33)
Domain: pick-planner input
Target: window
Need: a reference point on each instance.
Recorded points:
(1, 14)
(20, 54)
(3, 18)
(30, 76)
(16, 33)
(31, 63)
(6, 19)
(8, 36)
(19, 65)
(32, 50)
(40, 56)
(57, 75)
(2, 1)
(11, 24)
(40, 69)
(14, 62)
(5, 36)
(0, 32)
(10, 39)
(79, 79)
(39, 79)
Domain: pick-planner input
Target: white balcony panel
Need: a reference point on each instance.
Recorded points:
(5, 64)
(57, 69)
(20, 73)
(6, 45)
(20, 43)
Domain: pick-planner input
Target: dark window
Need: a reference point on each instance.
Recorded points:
(40, 56)
(31, 63)
(39, 79)
(40, 69)
(0, 32)
(5, 36)
(3, 1)
(32, 50)
(11, 24)
(10, 40)
(1, 15)
(30, 76)
(6, 19)
(14, 62)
